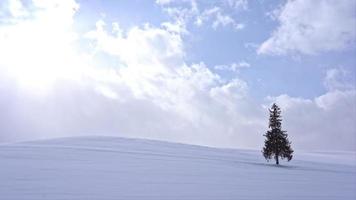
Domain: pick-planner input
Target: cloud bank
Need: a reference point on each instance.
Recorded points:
(312, 27)
(149, 92)
(50, 86)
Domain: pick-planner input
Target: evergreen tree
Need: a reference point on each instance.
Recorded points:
(276, 143)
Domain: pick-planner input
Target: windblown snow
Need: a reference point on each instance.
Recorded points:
(103, 168)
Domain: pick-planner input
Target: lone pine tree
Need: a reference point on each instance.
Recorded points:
(276, 143)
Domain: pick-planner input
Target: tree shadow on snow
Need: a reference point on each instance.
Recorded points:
(295, 167)
(274, 165)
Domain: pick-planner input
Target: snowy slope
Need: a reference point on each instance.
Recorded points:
(116, 168)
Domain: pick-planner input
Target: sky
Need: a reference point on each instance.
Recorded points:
(187, 71)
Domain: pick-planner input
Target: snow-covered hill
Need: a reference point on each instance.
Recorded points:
(103, 168)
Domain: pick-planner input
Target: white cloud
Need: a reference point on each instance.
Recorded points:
(235, 67)
(222, 20)
(324, 122)
(234, 90)
(135, 46)
(163, 2)
(239, 26)
(218, 18)
(180, 11)
(16, 8)
(238, 4)
(339, 79)
(311, 27)
(186, 11)
(178, 27)
(201, 102)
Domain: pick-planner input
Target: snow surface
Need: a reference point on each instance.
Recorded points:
(103, 168)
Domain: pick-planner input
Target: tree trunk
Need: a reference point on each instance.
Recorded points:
(277, 161)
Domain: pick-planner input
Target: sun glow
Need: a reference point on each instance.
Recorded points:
(40, 48)
(41, 61)
(40, 73)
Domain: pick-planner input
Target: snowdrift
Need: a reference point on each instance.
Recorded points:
(112, 168)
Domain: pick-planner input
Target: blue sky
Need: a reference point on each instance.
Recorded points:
(298, 74)
(200, 72)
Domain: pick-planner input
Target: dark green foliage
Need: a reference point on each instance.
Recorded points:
(276, 143)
